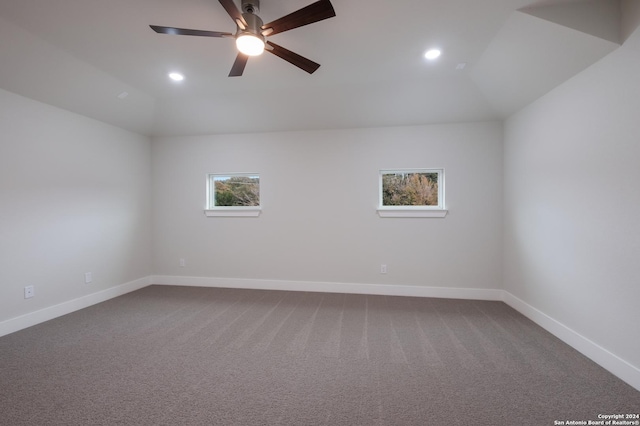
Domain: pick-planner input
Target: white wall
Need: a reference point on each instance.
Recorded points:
(572, 206)
(319, 191)
(74, 198)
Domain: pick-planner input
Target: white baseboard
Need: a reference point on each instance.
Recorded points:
(611, 362)
(331, 287)
(32, 318)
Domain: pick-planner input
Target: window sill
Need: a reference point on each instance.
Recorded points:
(233, 212)
(400, 212)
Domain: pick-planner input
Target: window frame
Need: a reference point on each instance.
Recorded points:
(437, 211)
(212, 210)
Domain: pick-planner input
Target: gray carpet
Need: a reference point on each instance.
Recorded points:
(202, 356)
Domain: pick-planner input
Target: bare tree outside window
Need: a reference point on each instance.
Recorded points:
(410, 189)
(417, 188)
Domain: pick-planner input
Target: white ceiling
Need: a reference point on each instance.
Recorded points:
(81, 54)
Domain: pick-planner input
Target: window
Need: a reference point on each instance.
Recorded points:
(233, 194)
(412, 193)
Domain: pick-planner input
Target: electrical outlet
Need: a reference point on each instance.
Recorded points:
(383, 269)
(29, 292)
(182, 263)
(88, 277)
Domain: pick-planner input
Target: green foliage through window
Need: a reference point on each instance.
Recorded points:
(235, 190)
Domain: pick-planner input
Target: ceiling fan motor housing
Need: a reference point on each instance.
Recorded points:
(254, 24)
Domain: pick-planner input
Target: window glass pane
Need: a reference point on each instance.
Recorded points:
(410, 188)
(234, 190)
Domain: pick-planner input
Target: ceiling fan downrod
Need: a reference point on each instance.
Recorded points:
(251, 6)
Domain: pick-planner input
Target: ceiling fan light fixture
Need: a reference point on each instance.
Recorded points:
(251, 34)
(250, 44)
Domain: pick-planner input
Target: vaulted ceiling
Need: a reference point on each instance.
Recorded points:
(101, 59)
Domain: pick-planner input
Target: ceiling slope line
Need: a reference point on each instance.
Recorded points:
(602, 19)
(530, 56)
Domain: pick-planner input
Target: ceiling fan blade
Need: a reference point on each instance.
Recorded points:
(293, 58)
(238, 66)
(315, 12)
(185, 31)
(233, 11)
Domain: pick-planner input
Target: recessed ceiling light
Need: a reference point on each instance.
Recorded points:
(176, 76)
(432, 54)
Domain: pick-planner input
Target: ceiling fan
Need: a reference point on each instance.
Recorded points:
(251, 34)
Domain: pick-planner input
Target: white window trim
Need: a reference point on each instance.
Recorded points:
(407, 212)
(438, 211)
(229, 211)
(233, 212)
